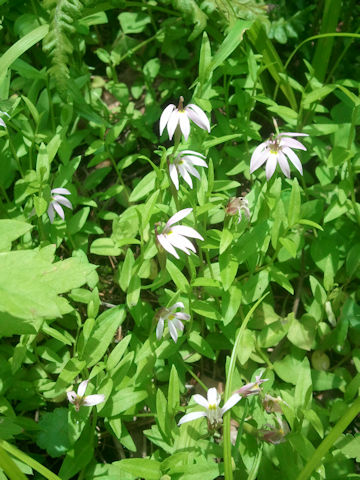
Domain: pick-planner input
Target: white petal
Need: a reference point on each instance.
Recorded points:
(182, 316)
(188, 166)
(213, 396)
(192, 152)
(58, 209)
(191, 416)
(63, 201)
(186, 231)
(178, 216)
(173, 331)
(174, 175)
(198, 116)
(167, 245)
(160, 328)
(178, 324)
(293, 134)
(51, 213)
(271, 165)
(2, 123)
(259, 156)
(194, 160)
(82, 388)
(93, 400)
(178, 241)
(184, 124)
(292, 143)
(176, 305)
(233, 400)
(284, 164)
(294, 159)
(165, 116)
(200, 400)
(184, 173)
(173, 123)
(62, 191)
(71, 396)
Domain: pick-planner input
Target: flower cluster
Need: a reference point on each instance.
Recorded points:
(80, 400)
(173, 319)
(58, 199)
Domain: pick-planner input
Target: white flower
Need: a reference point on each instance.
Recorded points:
(2, 123)
(174, 320)
(172, 117)
(176, 236)
(275, 150)
(57, 201)
(252, 388)
(213, 412)
(79, 399)
(183, 165)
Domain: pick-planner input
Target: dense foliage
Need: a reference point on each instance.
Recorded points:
(161, 260)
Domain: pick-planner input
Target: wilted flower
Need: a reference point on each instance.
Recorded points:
(252, 388)
(80, 400)
(273, 404)
(213, 412)
(275, 434)
(2, 123)
(172, 117)
(173, 318)
(176, 236)
(236, 206)
(275, 150)
(57, 201)
(183, 164)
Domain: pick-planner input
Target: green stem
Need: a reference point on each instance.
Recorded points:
(13, 151)
(228, 389)
(196, 377)
(23, 457)
(9, 466)
(329, 440)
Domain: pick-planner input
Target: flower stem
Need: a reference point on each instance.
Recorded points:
(329, 440)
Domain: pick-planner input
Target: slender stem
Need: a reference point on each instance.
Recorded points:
(196, 377)
(329, 440)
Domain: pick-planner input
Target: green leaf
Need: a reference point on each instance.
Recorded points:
(141, 467)
(254, 287)
(173, 392)
(303, 388)
(133, 292)
(26, 42)
(229, 44)
(145, 186)
(302, 332)
(54, 432)
(228, 269)
(231, 300)
(226, 240)
(246, 346)
(122, 400)
(10, 230)
(126, 270)
(205, 59)
(199, 344)
(105, 246)
(177, 277)
(294, 204)
(133, 22)
(102, 334)
(80, 455)
(77, 221)
(205, 309)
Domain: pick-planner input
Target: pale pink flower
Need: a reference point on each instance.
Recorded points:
(278, 149)
(275, 434)
(175, 236)
(80, 400)
(183, 165)
(252, 388)
(237, 205)
(173, 319)
(213, 411)
(172, 117)
(57, 200)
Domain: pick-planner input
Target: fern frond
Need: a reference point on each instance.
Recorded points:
(57, 44)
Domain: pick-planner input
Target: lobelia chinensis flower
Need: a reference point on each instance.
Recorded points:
(181, 116)
(278, 149)
(173, 319)
(183, 165)
(80, 400)
(252, 388)
(57, 200)
(2, 123)
(213, 412)
(275, 434)
(175, 236)
(238, 205)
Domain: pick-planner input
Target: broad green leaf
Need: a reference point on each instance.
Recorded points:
(173, 392)
(10, 230)
(105, 246)
(102, 334)
(177, 277)
(302, 332)
(126, 270)
(123, 400)
(54, 436)
(133, 292)
(141, 467)
(226, 239)
(246, 346)
(199, 344)
(145, 186)
(231, 300)
(228, 269)
(205, 59)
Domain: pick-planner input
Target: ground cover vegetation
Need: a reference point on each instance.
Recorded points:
(179, 239)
